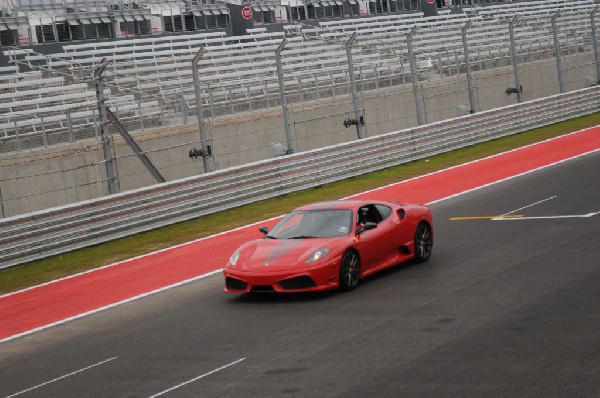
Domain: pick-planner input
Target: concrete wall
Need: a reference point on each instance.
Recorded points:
(54, 176)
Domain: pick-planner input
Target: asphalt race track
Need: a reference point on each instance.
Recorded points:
(509, 305)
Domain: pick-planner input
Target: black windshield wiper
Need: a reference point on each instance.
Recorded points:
(303, 237)
(270, 237)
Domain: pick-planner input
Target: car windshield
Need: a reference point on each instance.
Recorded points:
(306, 224)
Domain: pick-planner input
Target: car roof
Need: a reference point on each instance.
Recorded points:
(341, 204)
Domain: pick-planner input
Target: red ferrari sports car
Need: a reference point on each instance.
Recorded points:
(331, 245)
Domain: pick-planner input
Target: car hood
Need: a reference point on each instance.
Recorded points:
(277, 254)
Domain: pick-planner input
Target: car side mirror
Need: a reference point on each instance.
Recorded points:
(370, 225)
(366, 226)
(264, 230)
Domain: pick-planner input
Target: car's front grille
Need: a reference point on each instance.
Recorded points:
(235, 284)
(299, 282)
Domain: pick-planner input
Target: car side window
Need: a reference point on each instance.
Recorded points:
(363, 215)
(384, 211)
(373, 213)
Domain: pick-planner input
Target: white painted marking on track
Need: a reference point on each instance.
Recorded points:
(111, 305)
(472, 162)
(589, 215)
(512, 177)
(136, 258)
(531, 205)
(62, 377)
(198, 378)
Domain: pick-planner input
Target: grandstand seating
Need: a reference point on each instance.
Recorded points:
(152, 75)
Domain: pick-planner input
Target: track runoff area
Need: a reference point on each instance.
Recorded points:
(509, 299)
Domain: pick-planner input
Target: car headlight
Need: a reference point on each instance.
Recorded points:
(234, 257)
(319, 254)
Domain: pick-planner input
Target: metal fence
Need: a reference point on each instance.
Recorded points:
(42, 234)
(380, 81)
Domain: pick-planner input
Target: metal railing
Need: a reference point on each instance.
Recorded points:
(45, 233)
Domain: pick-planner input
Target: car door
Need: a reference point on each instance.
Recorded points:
(388, 239)
(375, 246)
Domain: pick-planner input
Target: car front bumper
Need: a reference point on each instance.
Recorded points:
(324, 276)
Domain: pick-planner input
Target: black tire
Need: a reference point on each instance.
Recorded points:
(349, 271)
(423, 242)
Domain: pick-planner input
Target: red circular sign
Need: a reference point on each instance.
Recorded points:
(247, 12)
(431, 1)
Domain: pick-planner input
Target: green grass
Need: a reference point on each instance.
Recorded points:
(37, 272)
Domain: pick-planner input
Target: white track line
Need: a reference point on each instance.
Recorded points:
(111, 305)
(134, 258)
(514, 176)
(589, 215)
(62, 377)
(471, 162)
(528, 206)
(198, 378)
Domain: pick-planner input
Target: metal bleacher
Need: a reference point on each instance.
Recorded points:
(150, 78)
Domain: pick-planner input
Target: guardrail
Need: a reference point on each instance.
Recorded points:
(54, 231)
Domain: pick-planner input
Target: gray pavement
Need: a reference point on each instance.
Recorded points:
(504, 308)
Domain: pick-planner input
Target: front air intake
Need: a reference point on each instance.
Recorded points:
(235, 284)
(299, 282)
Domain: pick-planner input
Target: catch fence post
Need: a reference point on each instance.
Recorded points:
(595, 44)
(109, 156)
(286, 123)
(206, 148)
(70, 126)
(2, 214)
(44, 134)
(414, 76)
(141, 115)
(17, 138)
(561, 82)
(361, 129)
(513, 57)
(468, 67)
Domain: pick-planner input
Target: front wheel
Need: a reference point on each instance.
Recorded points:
(423, 242)
(349, 271)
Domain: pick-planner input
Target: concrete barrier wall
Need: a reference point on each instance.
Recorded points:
(54, 176)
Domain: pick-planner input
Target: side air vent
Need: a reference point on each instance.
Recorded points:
(404, 249)
(401, 213)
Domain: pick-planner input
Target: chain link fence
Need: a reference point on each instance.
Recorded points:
(155, 99)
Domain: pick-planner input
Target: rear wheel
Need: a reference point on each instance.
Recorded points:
(349, 270)
(423, 242)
